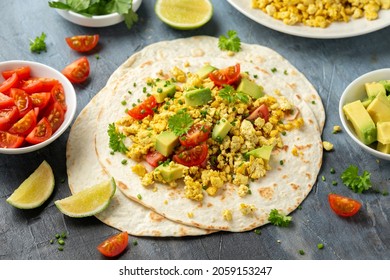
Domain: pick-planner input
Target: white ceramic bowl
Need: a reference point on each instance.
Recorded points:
(96, 21)
(355, 91)
(41, 70)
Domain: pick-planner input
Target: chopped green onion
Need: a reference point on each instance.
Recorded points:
(301, 252)
(320, 246)
(332, 171)
(257, 231)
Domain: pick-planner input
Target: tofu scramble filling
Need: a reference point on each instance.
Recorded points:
(235, 129)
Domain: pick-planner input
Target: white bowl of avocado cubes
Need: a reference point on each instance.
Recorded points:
(365, 112)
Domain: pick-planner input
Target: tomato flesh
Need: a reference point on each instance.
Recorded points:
(193, 156)
(40, 99)
(261, 112)
(55, 116)
(33, 85)
(5, 101)
(41, 132)
(23, 73)
(114, 245)
(25, 124)
(58, 95)
(9, 83)
(343, 206)
(226, 76)
(144, 109)
(8, 140)
(82, 43)
(197, 134)
(22, 101)
(8, 116)
(77, 71)
(155, 158)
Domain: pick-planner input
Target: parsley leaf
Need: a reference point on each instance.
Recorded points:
(230, 43)
(356, 183)
(180, 123)
(278, 219)
(229, 94)
(116, 139)
(38, 45)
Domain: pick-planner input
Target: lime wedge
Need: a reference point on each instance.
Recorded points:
(184, 14)
(89, 201)
(35, 190)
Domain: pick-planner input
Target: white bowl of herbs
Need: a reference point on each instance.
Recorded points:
(101, 13)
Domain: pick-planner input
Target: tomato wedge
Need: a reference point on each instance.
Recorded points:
(41, 132)
(5, 101)
(8, 116)
(8, 140)
(55, 115)
(22, 101)
(82, 43)
(261, 111)
(197, 134)
(58, 95)
(22, 72)
(343, 206)
(193, 156)
(155, 158)
(144, 109)
(77, 71)
(226, 76)
(114, 245)
(40, 99)
(9, 83)
(25, 124)
(38, 84)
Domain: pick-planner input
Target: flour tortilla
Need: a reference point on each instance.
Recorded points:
(283, 188)
(84, 171)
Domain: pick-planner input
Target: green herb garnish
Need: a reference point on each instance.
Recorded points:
(320, 246)
(38, 45)
(229, 94)
(356, 183)
(116, 139)
(231, 42)
(279, 219)
(180, 123)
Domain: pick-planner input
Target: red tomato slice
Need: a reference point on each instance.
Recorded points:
(22, 100)
(192, 157)
(8, 140)
(197, 134)
(40, 99)
(38, 84)
(144, 109)
(22, 72)
(343, 206)
(77, 71)
(8, 116)
(40, 133)
(9, 83)
(25, 124)
(114, 245)
(58, 95)
(155, 158)
(226, 76)
(5, 101)
(82, 43)
(261, 112)
(55, 115)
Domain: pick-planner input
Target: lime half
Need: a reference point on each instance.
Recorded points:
(184, 14)
(35, 190)
(89, 201)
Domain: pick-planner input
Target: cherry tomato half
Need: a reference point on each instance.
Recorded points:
(77, 71)
(24, 125)
(261, 111)
(58, 95)
(193, 156)
(41, 132)
(22, 72)
(22, 100)
(9, 83)
(197, 134)
(226, 76)
(114, 245)
(144, 109)
(8, 116)
(55, 115)
(82, 43)
(40, 99)
(8, 140)
(343, 206)
(5, 101)
(155, 158)
(33, 85)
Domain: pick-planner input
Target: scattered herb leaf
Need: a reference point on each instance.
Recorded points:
(38, 45)
(356, 183)
(279, 219)
(116, 139)
(180, 123)
(231, 42)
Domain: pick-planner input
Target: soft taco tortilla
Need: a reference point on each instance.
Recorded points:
(283, 188)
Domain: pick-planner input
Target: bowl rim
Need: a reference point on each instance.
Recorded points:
(69, 112)
(359, 81)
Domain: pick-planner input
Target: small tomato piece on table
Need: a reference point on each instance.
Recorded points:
(82, 43)
(197, 134)
(5, 101)
(8, 140)
(55, 115)
(114, 245)
(8, 116)
(58, 95)
(343, 206)
(192, 157)
(40, 99)
(144, 109)
(22, 100)
(40, 133)
(226, 76)
(22, 72)
(9, 83)
(24, 125)
(155, 158)
(77, 71)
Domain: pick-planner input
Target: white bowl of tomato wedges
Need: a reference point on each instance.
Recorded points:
(37, 104)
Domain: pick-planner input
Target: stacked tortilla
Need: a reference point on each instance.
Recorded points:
(163, 211)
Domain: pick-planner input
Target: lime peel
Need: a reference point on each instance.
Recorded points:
(89, 201)
(35, 190)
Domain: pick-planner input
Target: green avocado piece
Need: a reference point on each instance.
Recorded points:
(221, 129)
(362, 122)
(374, 88)
(263, 152)
(379, 108)
(166, 141)
(162, 89)
(251, 88)
(197, 97)
(172, 171)
(204, 72)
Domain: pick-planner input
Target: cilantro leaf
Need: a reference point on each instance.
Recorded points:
(356, 183)
(116, 142)
(38, 45)
(231, 42)
(229, 94)
(130, 18)
(180, 123)
(279, 219)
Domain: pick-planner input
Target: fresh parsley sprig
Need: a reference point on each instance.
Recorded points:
(279, 219)
(229, 94)
(356, 183)
(38, 45)
(116, 142)
(180, 123)
(231, 42)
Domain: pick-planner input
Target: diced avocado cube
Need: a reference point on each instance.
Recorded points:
(171, 171)
(204, 72)
(162, 89)
(383, 132)
(221, 129)
(251, 88)
(166, 141)
(364, 126)
(263, 152)
(379, 108)
(384, 148)
(374, 88)
(197, 97)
